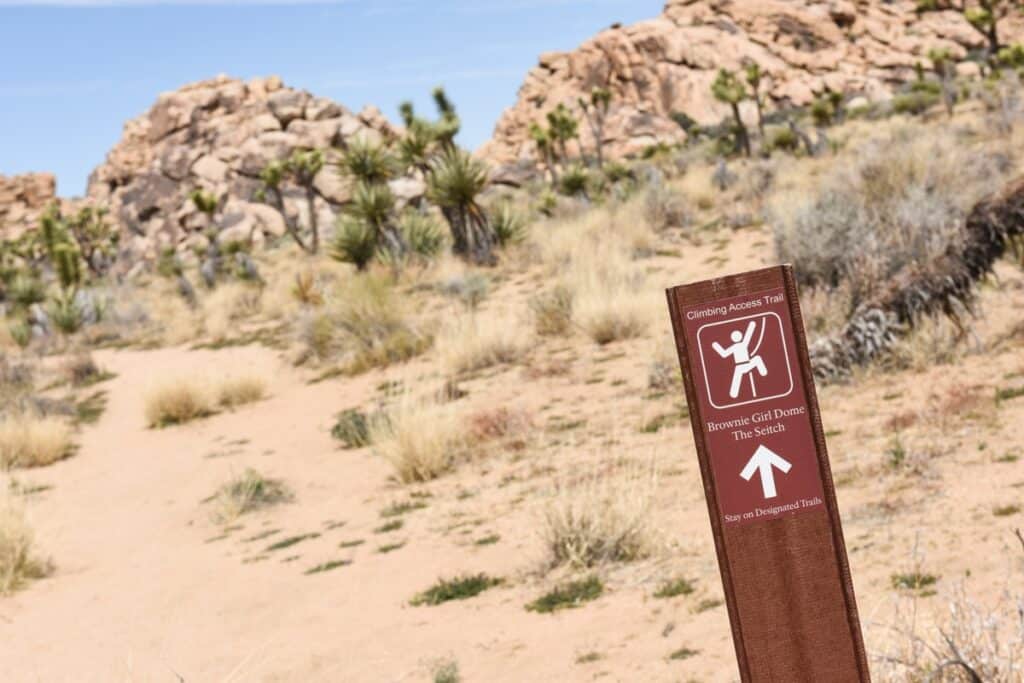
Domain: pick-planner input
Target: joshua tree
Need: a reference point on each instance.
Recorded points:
(542, 139)
(595, 110)
(754, 77)
(942, 64)
(728, 89)
(454, 181)
(206, 203)
(562, 127)
(301, 169)
(423, 136)
(983, 16)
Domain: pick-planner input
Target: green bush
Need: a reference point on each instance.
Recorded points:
(781, 138)
(458, 588)
(914, 102)
(568, 595)
(509, 227)
(354, 242)
(352, 428)
(422, 233)
(26, 290)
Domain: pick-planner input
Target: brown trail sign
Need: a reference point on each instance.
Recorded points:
(757, 427)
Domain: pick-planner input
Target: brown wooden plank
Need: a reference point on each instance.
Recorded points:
(766, 476)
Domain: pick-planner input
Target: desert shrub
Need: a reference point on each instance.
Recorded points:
(177, 401)
(352, 428)
(423, 235)
(374, 326)
(470, 289)
(899, 203)
(781, 139)
(574, 180)
(21, 333)
(456, 588)
(552, 311)
(971, 643)
(244, 493)
(15, 378)
(317, 333)
(601, 519)
(27, 440)
(226, 306)
(914, 102)
(65, 314)
(606, 304)
(509, 227)
(665, 207)
(81, 370)
(446, 671)
(354, 241)
(19, 559)
(236, 391)
(472, 342)
(568, 595)
(421, 441)
(25, 290)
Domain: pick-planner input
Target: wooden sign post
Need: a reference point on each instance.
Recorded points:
(767, 480)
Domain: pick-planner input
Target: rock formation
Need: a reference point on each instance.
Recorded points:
(217, 135)
(666, 65)
(22, 198)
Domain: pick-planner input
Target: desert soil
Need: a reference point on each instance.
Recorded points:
(148, 588)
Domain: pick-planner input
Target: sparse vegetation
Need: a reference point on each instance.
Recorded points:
(603, 519)
(30, 441)
(177, 401)
(352, 428)
(236, 391)
(457, 588)
(20, 561)
(568, 595)
(245, 493)
(420, 441)
(674, 587)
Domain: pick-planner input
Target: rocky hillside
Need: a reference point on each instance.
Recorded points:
(665, 65)
(22, 197)
(218, 135)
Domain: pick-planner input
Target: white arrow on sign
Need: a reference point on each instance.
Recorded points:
(763, 460)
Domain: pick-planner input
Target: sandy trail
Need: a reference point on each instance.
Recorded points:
(148, 588)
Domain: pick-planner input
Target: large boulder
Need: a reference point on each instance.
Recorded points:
(665, 66)
(217, 135)
(22, 198)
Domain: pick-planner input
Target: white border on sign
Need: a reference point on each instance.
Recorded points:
(785, 353)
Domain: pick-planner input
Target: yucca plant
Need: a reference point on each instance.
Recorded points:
(25, 290)
(20, 331)
(545, 149)
(421, 233)
(454, 182)
(562, 127)
(65, 313)
(354, 242)
(367, 161)
(508, 225)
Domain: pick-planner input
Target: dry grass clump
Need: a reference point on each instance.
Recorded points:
(244, 493)
(474, 342)
(81, 370)
(894, 202)
(607, 296)
(552, 312)
(604, 518)
(28, 440)
(236, 391)
(422, 441)
(374, 326)
(177, 401)
(226, 306)
(19, 560)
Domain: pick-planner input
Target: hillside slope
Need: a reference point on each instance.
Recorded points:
(666, 65)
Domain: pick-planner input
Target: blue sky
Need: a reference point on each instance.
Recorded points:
(75, 70)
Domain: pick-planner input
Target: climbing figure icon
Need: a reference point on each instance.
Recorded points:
(745, 358)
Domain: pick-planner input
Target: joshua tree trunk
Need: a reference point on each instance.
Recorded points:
(471, 234)
(741, 129)
(314, 222)
(945, 288)
(290, 226)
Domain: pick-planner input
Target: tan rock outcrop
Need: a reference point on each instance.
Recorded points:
(218, 135)
(22, 198)
(665, 65)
